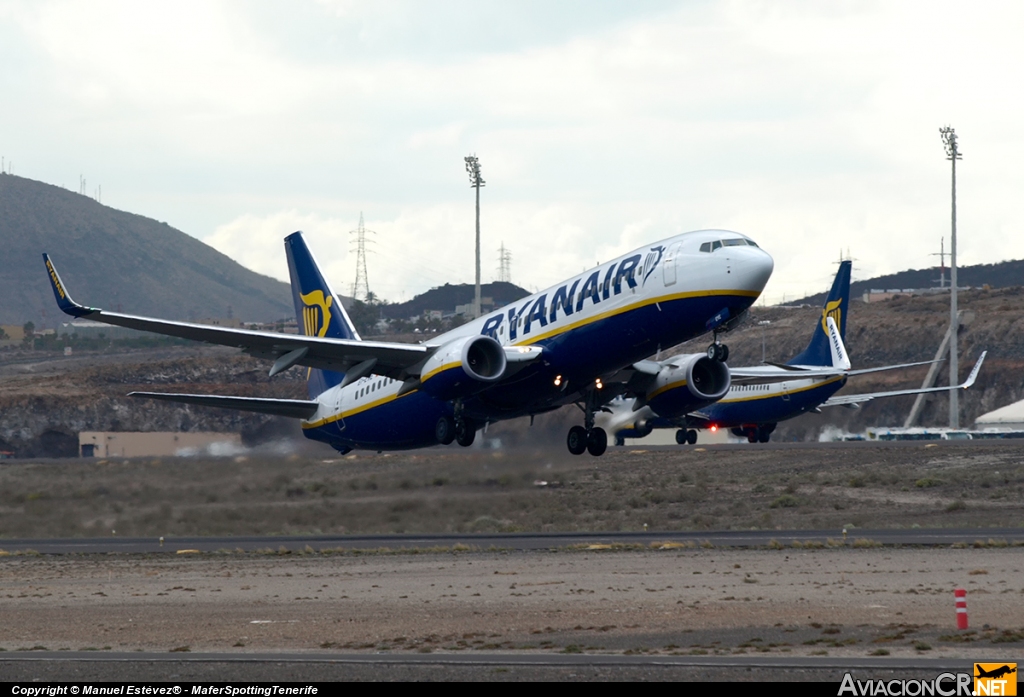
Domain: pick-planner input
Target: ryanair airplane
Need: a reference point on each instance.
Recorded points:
(580, 342)
(761, 396)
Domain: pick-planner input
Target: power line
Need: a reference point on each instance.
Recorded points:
(504, 264)
(362, 282)
(941, 254)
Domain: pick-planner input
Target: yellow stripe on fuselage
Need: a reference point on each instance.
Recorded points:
(770, 395)
(356, 410)
(628, 308)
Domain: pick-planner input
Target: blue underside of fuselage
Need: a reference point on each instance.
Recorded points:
(766, 409)
(579, 355)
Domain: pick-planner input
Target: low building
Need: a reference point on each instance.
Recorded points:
(156, 444)
(11, 334)
(1010, 417)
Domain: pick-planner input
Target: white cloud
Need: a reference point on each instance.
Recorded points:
(810, 127)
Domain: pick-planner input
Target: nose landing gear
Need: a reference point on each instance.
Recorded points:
(718, 351)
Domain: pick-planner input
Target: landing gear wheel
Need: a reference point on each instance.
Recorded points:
(718, 352)
(763, 434)
(691, 437)
(444, 431)
(465, 432)
(752, 434)
(597, 442)
(620, 441)
(577, 440)
(681, 436)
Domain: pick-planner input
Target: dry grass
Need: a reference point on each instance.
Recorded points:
(453, 490)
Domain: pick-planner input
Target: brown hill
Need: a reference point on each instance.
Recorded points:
(114, 259)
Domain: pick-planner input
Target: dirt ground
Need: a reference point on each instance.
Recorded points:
(800, 487)
(837, 602)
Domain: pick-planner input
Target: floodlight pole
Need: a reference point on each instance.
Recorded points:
(953, 154)
(476, 181)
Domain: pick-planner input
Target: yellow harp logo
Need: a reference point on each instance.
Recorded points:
(833, 310)
(316, 315)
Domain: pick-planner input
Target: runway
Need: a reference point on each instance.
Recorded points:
(323, 667)
(523, 542)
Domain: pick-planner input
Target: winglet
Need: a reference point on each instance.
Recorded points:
(64, 301)
(974, 371)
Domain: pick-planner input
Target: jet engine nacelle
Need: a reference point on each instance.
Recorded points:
(687, 383)
(463, 367)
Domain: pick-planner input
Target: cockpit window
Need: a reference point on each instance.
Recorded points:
(735, 242)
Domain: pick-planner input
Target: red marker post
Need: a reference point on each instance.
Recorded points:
(961, 608)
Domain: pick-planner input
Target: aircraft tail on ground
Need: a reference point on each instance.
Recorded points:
(317, 309)
(819, 351)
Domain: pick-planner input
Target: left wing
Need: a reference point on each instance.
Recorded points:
(855, 400)
(391, 359)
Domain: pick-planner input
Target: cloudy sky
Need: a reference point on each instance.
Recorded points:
(601, 126)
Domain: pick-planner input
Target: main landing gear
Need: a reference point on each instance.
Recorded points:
(460, 429)
(595, 440)
(755, 433)
(760, 434)
(686, 436)
(588, 437)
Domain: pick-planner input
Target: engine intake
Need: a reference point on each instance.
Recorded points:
(463, 367)
(688, 383)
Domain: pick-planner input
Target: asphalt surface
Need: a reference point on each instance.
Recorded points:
(515, 541)
(320, 667)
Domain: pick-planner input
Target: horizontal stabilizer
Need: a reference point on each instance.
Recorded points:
(292, 408)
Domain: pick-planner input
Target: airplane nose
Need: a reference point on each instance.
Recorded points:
(752, 269)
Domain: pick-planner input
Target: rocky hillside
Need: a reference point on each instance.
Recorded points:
(113, 259)
(46, 399)
(445, 298)
(1002, 275)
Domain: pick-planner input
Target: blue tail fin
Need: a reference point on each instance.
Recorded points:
(317, 309)
(818, 351)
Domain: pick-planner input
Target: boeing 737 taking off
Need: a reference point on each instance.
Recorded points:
(580, 342)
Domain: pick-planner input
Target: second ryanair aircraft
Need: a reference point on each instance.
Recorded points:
(761, 396)
(580, 342)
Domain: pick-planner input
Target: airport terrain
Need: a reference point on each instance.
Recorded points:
(785, 607)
